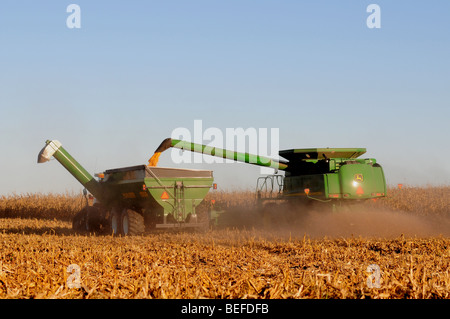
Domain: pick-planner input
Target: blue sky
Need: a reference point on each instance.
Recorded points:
(112, 90)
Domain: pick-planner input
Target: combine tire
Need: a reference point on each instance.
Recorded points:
(132, 223)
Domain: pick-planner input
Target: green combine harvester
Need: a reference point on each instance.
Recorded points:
(131, 200)
(316, 173)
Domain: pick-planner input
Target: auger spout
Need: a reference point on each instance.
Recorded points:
(54, 148)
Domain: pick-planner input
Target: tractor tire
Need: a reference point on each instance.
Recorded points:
(132, 223)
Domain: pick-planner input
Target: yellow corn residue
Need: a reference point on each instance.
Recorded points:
(277, 260)
(153, 161)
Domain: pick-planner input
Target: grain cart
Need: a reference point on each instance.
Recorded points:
(130, 200)
(328, 176)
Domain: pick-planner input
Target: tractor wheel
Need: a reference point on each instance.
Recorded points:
(132, 223)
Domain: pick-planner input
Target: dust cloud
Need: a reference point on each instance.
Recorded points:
(353, 221)
(365, 222)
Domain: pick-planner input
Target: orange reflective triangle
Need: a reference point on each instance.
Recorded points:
(165, 195)
(359, 191)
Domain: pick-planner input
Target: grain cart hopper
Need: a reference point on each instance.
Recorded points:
(132, 199)
(320, 175)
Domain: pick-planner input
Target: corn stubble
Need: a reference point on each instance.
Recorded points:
(38, 245)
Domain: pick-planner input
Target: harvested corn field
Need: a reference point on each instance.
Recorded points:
(41, 257)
